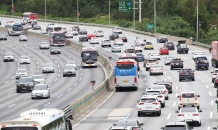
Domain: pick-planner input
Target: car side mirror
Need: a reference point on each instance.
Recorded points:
(177, 96)
(193, 70)
(143, 93)
(216, 101)
(200, 111)
(114, 124)
(198, 95)
(179, 71)
(141, 124)
(162, 128)
(176, 111)
(214, 128)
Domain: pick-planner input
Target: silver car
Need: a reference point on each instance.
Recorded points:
(94, 40)
(162, 88)
(8, 56)
(156, 69)
(55, 50)
(158, 94)
(115, 48)
(99, 33)
(168, 59)
(43, 31)
(22, 38)
(43, 45)
(69, 70)
(48, 67)
(24, 60)
(21, 73)
(118, 42)
(40, 91)
(38, 78)
(69, 34)
(139, 41)
(105, 43)
(74, 31)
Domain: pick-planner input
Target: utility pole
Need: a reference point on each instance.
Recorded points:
(140, 11)
(77, 11)
(155, 17)
(109, 11)
(134, 13)
(197, 22)
(45, 9)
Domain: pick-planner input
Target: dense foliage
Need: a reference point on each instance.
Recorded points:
(174, 17)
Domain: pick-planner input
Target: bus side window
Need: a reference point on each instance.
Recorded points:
(81, 54)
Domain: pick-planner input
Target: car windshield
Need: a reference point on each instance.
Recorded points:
(154, 53)
(156, 66)
(148, 43)
(2, 35)
(163, 82)
(202, 58)
(137, 45)
(8, 54)
(140, 39)
(48, 65)
(187, 71)
(198, 52)
(106, 41)
(125, 66)
(151, 61)
(130, 50)
(170, 57)
(134, 58)
(44, 43)
(94, 38)
(188, 109)
(69, 67)
(126, 123)
(148, 100)
(116, 46)
(139, 54)
(89, 55)
(40, 87)
(164, 48)
(152, 93)
(59, 37)
(24, 57)
(158, 87)
(83, 29)
(55, 48)
(25, 79)
(74, 29)
(17, 27)
(170, 43)
(37, 76)
(188, 95)
(71, 62)
(176, 60)
(21, 71)
(175, 127)
(100, 31)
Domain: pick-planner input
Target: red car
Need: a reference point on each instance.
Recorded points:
(164, 50)
(90, 35)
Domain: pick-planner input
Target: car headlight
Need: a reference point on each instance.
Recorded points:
(31, 84)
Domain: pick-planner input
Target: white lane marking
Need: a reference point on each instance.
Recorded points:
(45, 53)
(55, 61)
(168, 117)
(55, 79)
(176, 95)
(58, 65)
(33, 58)
(169, 77)
(38, 66)
(29, 55)
(208, 128)
(176, 87)
(11, 105)
(26, 98)
(199, 77)
(12, 77)
(174, 104)
(210, 93)
(58, 74)
(10, 92)
(211, 113)
(173, 82)
(36, 62)
(203, 81)
(6, 82)
(52, 57)
(212, 103)
(59, 70)
(207, 86)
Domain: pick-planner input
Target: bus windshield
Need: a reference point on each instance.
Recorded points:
(19, 128)
(89, 56)
(59, 38)
(17, 27)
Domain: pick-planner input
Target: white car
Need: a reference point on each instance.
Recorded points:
(115, 48)
(22, 38)
(188, 98)
(94, 40)
(118, 42)
(156, 69)
(43, 31)
(197, 53)
(168, 59)
(140, 41)
(21, 73)
(8, 56)
(38, 78)
(48, 67)
(44, 45)
(154, 55)
(162, 88)
(99, 33)
(71, 62)
(64, 30)
(140, 37)
(214, 73)
(29, 26)
(156, 93)
(24, 60)
(190, 115)
(149, 104)
(69, 70)
(74, 31)
(69, 34)
(149, 62)
(40, 91)
(106, 42)
(117, 30)
(138, 48)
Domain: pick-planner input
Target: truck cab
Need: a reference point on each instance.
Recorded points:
(201, 63)
(182, 47)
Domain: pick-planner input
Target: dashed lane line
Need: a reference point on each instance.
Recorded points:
(10, 92)
(26, 98)
(11, 105)
(168, 117)
(47, 104)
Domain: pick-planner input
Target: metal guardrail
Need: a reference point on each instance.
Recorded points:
(201, 44)
(67, 111)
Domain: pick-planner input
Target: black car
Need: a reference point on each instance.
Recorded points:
(167, 84)
(124, 38)
(25, 84)
(130, 51)
(186, 74)
(3, 37)
(0, 23)
(170, 45)
(113, 36)
(162, 39)
(83, 31)
(176, 63)
(36, 27)
(176, 126)
(55, 50)
(77, 27)
(83, 38)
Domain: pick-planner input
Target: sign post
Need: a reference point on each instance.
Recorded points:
(150, 27)
(12, 9)
(125, 6)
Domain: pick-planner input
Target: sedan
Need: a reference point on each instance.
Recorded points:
(124, 38)
(29, 26)
(43, 45)
(115, 48)
(74, 31)
(24, 27)
(118, 42)
(138, 41)
(168, 59)
(185, 74)
(215, 82)
(48, 67)
(161, 88)
(156, 69)
(55, 50)
(94, 40)
(99, 33)
(162, 39)
(140, 56)
(167, 84)
(68, 35)
(170, 45)
(36, 27)
(24, 60)
(82, 31)
(8, 56)
(21, 73)
(140, 37)
(158, 94)
(22, 38)
(69, 70)
(105, 42)
(137, 47)
(38, 78)
(64, 30)
(196, 54)
(3, 37)
(148, 45)
(154, 55)
(43, 31)
(164, 50)
(90, 35)
(83, 38)
(131, 50)
(40, 91)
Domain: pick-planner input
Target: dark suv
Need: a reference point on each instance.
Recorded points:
(186, 74)
(176, 63)
(77, 27)
(25, 84)
(83, 38)
(113, 36)
(176, 126)
(167, 84)
(170, 45)
(130, 51)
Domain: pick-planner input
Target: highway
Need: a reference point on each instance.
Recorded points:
(64, 90)
(123, 105)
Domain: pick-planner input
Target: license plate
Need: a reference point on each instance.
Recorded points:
(90, 64)
(177, 63)
(24, 88)
(148, 107)
(125, 81)
(59, 44)
(189, 120)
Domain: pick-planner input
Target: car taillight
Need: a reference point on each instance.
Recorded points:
(155, 103)
(192, 72)
(160, 96)
(120, 47)
(214, 74)
(141, 103)
(172, 63)
(160, 39)
(181, 73)
(160, 69)
(165, 91)
(180, 98)
(34, 125)
(125, 38)
(3, 125)
(195, 114)
(181, 63)
(147, 63)
(195, 54)
(103, 42)
(109, 42)
(142, 56)
(135, 80)
(167, 60)
(166, 45)
(115, 80)
(113, 48)
(151, 55)
(158, 55)
(180, 114)
(116, 41)
(152, 69)
(216, 80)
(140, 46)
(180, 104)
(196, 98)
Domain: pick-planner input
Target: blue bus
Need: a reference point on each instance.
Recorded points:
(126, 75)
(14, 29)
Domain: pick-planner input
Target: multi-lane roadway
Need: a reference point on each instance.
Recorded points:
(123, 105)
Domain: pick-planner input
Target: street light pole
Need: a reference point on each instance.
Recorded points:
(134, 13)
(77, 11)
(155, 17)
(197, 22)
(109, 11)
(45, 9)
(140, 11)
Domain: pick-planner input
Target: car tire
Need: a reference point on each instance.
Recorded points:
(63, 75)
(193, 79)
(139, 114)
(178, 108)
(53, 71)
(161, 73)
(146, 69)
(212, 80)
(166, 98)
(117, 89)
(159, 113)
(150, 74)
(215, 86)
(162, 105)
(18, 91)
(199, 124)
(180, 79)
(171, 68)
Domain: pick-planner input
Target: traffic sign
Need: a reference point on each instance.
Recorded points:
(78, 14)
(150, 26)
(12, 9)
(125, 6)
